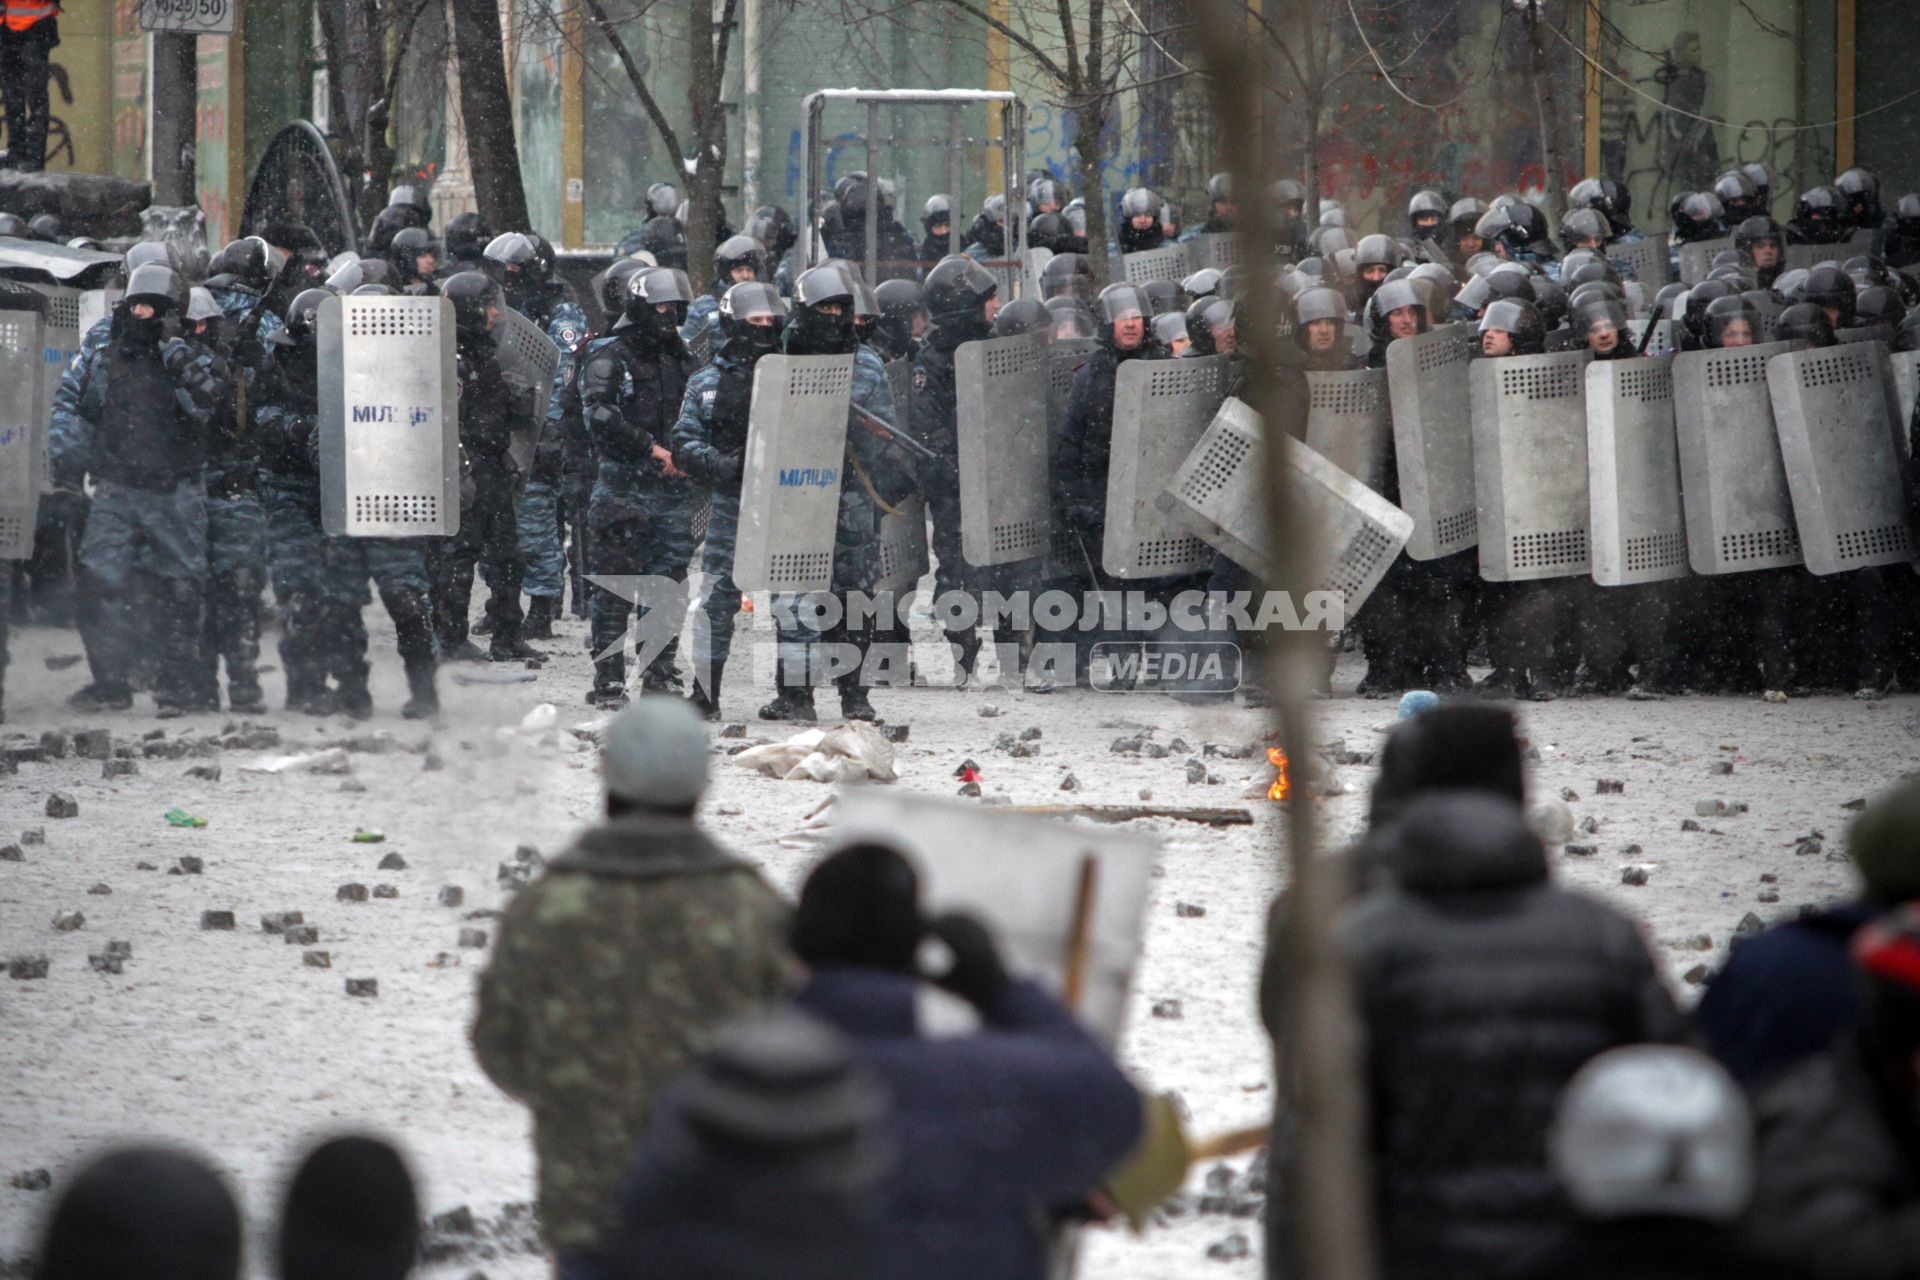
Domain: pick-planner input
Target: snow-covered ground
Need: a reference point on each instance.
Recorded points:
(230, 1042)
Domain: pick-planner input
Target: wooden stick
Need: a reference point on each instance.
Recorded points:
(1230, 1143)
(1133, 813)
(1080, 937)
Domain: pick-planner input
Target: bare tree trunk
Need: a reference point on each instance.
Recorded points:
(1310, 213)
(1089, 123)
(1319, 1079)
(1553, 148)
(375, 169)
(708, 131)
(488, 113)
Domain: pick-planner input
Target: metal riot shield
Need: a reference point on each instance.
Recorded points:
(1216, 249)
(1696, 259)
(1660, 341)
(1906, 375)
(1530, 465)
(900, 383)
(1168, 262)
(1836, 439)
(1064, 359)
(1882, 333)
(1219, 492)
(1733, 483)
(1633, 470)
(1647, 259)
(790, 489)
(1769, 325)
(1805, 257)
(1433, 438)
(903, 546)
(96, 305)
(1160, 409)
(1348, 422)
(389, 418)
(1056, 893)
(59, 334)
(23, 421)
(701, 348)
(1005, 506)
(528, 358)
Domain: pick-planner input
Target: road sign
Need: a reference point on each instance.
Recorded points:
(193, 17)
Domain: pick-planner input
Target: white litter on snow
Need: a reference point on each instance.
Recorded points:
(847, 753)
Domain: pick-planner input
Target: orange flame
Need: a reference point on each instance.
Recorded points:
(1281, 787)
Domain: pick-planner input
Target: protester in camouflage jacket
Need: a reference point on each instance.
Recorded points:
(616, 968)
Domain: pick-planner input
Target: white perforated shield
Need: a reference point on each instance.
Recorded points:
(1905, 366)
(1648, 261)
(1216, 249)
(1733, 483)
(1843, 470)
(1530, 465)
(1005, 507)
(1160, 409)
(1696, 259)
(1633, 470)
(1169, 262)
(1348, 421)
(1433, 438)
(790, 486)
(60, 335)
(903, 546)
(23, 425)
(1025, 876)
(1218, 494)
(389, 418)
(528, 358)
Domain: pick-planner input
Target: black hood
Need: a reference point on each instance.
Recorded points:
(1463, 842)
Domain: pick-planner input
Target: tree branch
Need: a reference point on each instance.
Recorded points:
(604, 26)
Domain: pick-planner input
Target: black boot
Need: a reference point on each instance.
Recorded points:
(541, 611)
(423, 700)
(178, 687)
(854, 704)
(706, 695)
(791, 703)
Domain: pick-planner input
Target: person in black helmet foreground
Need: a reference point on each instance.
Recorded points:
(995, 1130)
(1839, 1188)
(150, 406)
(1484, 989)
(822, 324)
(770, 1157)
(140, 1213)
(641, 517)
(614, 970)
(489, 526)
(709, 443)
(735, 260)
(961, 302)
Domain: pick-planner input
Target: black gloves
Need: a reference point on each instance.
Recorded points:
(730, 466)
(176, 355)
(977, 975)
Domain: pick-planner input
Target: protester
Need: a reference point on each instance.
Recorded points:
(143, 1213)
(350, 1214)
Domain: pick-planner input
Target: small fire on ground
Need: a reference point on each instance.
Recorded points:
(1281, 787)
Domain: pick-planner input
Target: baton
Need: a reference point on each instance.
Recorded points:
(877, 426)
(1646, 336)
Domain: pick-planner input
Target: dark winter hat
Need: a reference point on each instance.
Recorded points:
(860, 907)
(143, 1213)
(1885, 844)
(350, 1214)
(1450, 747)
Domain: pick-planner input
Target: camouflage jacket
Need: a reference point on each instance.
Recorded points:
(611, 972)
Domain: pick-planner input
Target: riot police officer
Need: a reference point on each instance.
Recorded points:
(1426, 215)
(987, 236)
(632, 385)
(415, 260)
(1140, 228)
(709, 443)
(1819, 217)
(489, 527)
(735, 260)
(903, 319)
(936, 218)
(149, 405)
(1761, 239)
(468, 236)
(823, 325)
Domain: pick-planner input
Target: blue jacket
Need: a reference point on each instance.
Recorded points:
(1784, 995)
(990, 1130)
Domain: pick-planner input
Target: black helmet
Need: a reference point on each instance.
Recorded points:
(654, 287)
(613, 286)
(1737, 197)
(1804, 322)
(1698, 299)
(1519, 319)
(475, 297)
(1287, 192)
(467, 237)
(1209, 322)
(666, 240)
(408, 202)
(521, 270)
(937, 212)
(1138, 202)
(46, 226)
(1879, 304)
(250, 262)
(1377, 251)
(958, 286)
(1598, 311)
(372, 291)
(1592, 289)
(1583, 225)
(1606, 197)
(1721, 314)
(1328, 241)
(1203, 283)
(1663, 300)
(1425, 204)
(156, 253)
(1044, 191)
(1167, 328)
(1437, 285)
(739, 305)
(1756, 230)
(302, 320)
(1820, 215)
(1551, 299)
(1788, 285)
(772, 227)
(663, 200)
(1067, 275)
(159, 287)
(1165, 296)
(900, 301)
(1829, 288)
(814, 330)
(408, 246)
(1761, 176)
(736, 252)
(347, 277)
(1390, 297)
(1475, 294)
(1464, 214)
(1517, 225)
(12, 224)
(1510, 280)
(1906, 215)
(1698, 215)
(1588, 272)
(1860, 188)
(513, 249)
(1023, 315)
